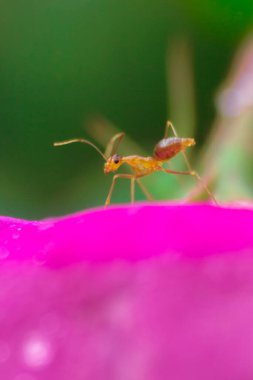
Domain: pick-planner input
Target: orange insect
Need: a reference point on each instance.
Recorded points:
(164, 150)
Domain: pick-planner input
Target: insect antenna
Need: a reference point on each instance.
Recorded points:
(113, 144)
(66, 142)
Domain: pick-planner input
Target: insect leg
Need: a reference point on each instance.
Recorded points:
(145, 191)
(194, 174)
(132, 189)
(116, 176)
(178, 172)
(168, 126)
(211, 196)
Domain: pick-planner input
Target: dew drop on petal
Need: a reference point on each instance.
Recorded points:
(15, 231)
(46, 226)
(37, 352)
(40, 258)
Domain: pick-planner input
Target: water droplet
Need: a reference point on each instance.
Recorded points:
(16, 231)
(37, 352)
(4, 253)
(40, 258)
(46, 226)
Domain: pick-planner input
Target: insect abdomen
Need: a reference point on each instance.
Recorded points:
(169, 147)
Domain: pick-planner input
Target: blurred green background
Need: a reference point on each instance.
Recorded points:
(63, 63)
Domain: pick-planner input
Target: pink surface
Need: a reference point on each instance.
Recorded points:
(130, 233)
(150, 292)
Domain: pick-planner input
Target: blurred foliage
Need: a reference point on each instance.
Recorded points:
(62, 62)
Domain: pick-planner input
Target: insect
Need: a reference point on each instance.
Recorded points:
(141, 166)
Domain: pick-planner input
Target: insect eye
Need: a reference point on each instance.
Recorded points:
(116, 159)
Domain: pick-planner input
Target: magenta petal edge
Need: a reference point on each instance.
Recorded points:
(128, 232)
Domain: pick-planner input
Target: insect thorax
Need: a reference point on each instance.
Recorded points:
(141, 165)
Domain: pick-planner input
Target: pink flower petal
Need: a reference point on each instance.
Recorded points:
(130, 233)
(150, 292)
